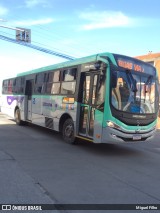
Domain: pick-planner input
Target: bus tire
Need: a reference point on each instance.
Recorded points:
(68, 131)
(18, 117)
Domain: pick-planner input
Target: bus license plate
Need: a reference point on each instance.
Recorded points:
(137, 137)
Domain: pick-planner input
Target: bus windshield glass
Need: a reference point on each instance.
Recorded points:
(133, 92)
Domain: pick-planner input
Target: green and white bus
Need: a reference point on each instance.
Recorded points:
(103, 98)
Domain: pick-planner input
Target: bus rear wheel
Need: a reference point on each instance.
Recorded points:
(18, 117)
(68, 131)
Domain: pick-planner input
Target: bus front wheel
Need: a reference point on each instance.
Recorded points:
(18, 117)
(68, 131)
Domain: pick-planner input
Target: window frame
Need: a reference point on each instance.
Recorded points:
(39, 85)
(13, 85)
(60, 81)
(63, 81)
(53, 82)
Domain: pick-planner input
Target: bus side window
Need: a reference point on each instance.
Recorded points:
(5, 87)
(22, 85)
(53, 82)
(86, 89)
(98, 94)
(18, 85)
(13, 86)
(101, 90)
(15, 90)
(39, 83)
(10, 86)
(94, 89)
(69, 81)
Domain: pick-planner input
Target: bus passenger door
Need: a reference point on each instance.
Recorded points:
(90, 120)
(28, 93)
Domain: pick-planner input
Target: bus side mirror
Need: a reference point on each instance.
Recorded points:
(114, 79)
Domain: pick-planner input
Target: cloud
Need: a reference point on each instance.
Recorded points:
(3, 10)
(31, 22)
(104, 19)
(34, 3)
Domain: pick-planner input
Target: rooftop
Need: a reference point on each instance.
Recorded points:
(148, 56)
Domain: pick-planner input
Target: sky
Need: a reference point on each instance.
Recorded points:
(76, 28)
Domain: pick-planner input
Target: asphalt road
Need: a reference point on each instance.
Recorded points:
(36, 166)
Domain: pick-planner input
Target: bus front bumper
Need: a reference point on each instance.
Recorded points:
(111, 135)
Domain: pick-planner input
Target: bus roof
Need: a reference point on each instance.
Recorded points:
(60, 65)
(113, 57)
(66, 64)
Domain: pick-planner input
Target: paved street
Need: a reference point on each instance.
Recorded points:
(36, 166)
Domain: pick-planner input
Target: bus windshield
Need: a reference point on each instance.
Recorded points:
(133, 92)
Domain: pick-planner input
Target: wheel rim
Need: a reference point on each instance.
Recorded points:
(69, 131)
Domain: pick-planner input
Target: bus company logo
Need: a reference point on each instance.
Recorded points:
(10, 99)
(6, 207)
(137, 130)
(45, 104)
(138, 123)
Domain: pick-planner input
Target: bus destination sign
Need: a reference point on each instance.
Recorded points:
(130, 65)
(134, 64)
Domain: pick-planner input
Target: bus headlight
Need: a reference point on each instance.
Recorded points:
(112, 125)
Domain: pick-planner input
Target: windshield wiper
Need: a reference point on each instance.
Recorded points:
(132, 82)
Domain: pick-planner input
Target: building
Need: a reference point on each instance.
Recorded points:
(151, 58)
(154, 59)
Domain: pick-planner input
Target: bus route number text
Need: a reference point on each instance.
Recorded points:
(130, 66)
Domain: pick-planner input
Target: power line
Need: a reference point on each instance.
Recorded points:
(46, 38)
(38, 43)
(58, 38)
(11, 28)
(37, 48)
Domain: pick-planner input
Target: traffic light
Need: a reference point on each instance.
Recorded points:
(23, 34)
